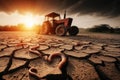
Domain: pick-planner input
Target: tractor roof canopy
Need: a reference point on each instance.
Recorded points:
(53, 15)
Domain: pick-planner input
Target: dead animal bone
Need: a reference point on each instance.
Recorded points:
(55, 70)
(34, 50)
(63, 59)
(21, 44)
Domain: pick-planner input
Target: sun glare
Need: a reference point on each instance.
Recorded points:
(30, 20)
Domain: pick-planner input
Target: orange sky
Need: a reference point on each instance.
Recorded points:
(83, 21)
(85, 13)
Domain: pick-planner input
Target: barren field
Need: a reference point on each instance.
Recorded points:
(87, 56)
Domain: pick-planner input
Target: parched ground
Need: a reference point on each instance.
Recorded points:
(90, 56)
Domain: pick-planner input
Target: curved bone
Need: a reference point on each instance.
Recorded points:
(63, 59)
(20, 44)
(33, 72)
(33, 50)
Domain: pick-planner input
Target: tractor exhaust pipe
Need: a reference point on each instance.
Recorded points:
(65, 14)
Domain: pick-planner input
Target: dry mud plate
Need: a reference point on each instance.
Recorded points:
(29, 56)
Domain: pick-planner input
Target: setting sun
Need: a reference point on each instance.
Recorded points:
(29, 21)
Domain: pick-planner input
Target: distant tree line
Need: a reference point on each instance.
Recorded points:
(19, 27)
(10, 28)
(104, 28)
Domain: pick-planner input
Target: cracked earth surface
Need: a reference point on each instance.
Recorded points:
(29, 56)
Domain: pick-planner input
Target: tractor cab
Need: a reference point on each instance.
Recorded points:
(52, 16)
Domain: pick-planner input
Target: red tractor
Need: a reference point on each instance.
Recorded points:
(53, 24)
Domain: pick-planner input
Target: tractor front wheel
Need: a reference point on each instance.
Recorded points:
(60, 30)
(73, 30)
(45, 28)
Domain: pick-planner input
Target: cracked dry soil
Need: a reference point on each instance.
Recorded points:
(89, 56)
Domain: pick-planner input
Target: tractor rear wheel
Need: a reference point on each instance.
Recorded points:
(45, 28)
(60, 30)
(73, 30)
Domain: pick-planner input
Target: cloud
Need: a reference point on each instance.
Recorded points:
(109, 8)
(35, 6)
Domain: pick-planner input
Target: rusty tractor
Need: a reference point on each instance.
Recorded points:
(53, 24)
